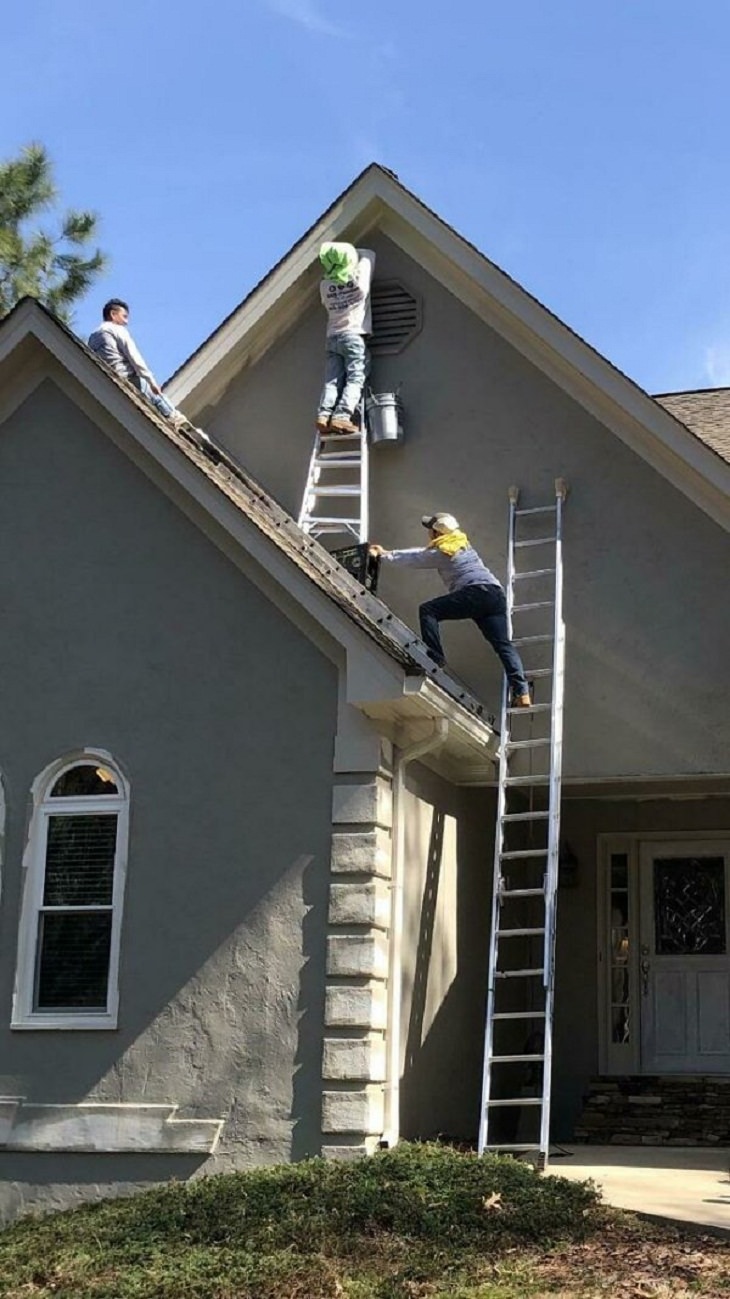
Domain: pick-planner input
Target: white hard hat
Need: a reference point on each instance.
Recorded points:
(440, 522)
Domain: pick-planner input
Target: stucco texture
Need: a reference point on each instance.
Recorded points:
(125, 628)
(644, 567)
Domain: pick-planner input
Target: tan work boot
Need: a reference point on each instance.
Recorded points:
(323, 423)
(342, 424)
(521, 701)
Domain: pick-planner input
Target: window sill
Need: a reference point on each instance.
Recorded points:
(64, 1022)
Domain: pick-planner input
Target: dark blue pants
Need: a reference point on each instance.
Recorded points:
(487, 607)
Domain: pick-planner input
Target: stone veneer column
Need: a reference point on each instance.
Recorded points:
(353, 1058)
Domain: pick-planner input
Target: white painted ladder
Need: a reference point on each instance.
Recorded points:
(515, 1112)
(338, 473)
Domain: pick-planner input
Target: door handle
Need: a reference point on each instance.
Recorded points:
(645, 971)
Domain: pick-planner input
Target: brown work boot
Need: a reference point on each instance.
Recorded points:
(342, 424)
(323, 423)
(521, 701)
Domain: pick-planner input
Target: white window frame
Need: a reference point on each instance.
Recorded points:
(34, 869)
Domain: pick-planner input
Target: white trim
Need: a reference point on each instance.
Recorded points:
(99, 1127)
(34, 866)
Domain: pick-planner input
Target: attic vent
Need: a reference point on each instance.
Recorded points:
(396, 317)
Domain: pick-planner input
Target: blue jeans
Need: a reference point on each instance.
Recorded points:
(487, 607)
(344, 374)
(156, 399)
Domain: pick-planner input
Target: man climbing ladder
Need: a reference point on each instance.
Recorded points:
(473, 592)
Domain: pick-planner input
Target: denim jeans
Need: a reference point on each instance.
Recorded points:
(487, 607)
(156, 399)
(344, 374)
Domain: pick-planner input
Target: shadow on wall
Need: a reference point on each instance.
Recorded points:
(48, 1182)
(441, 1080)
(306, 1111)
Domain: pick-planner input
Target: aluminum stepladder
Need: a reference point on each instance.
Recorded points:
(521, 980)
(338, 471)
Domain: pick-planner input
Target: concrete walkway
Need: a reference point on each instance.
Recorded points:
(685, 1184)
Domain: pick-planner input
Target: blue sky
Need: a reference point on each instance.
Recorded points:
(582, 146)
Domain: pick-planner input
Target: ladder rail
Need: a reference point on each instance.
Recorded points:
(556, 764)
(498, 847)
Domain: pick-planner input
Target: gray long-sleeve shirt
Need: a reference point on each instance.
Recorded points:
(116, 348)
(465, 568)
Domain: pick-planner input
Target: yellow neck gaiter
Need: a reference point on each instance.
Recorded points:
(449, 543)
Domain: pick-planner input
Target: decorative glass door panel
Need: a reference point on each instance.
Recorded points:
(684, 964)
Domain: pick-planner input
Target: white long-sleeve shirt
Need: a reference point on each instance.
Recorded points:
(348, 305)
(115, 346)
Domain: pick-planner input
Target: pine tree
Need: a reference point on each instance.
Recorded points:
(58, 268)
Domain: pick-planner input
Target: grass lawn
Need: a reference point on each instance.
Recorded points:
(418, 1222)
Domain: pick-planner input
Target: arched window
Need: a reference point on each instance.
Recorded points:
(68, 953)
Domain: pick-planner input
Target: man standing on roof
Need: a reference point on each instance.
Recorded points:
(345, 294)
(473, 592)
(114, 345)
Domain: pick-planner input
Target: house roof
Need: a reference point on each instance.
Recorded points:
(231, 480)
(706, 412)
(684, 454)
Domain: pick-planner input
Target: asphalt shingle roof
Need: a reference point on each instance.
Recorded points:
(706, 413)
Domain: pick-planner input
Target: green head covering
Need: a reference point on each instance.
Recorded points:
(339, 262)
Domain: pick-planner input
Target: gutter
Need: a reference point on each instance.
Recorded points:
(437, 737)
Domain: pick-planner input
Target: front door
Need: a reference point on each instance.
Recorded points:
(684, 961)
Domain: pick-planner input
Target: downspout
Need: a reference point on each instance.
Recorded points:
(395, 973)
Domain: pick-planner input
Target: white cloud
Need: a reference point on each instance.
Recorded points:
(306, 14)
(717, 364)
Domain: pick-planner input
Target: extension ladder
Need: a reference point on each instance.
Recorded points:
(515, 1112)
(338, 472)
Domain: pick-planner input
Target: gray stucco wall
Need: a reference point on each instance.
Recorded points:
(125, 628)
(446, 925)
(644, 567)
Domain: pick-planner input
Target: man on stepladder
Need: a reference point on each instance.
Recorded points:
(345, 294)
(114, 345)
(473, 592)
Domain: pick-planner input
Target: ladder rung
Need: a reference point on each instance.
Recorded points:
(537, 541)
(328, 519)
(516, 1059)
(352, 461)
(528, 744)
(536, 572)
(327, 439)
(539, 672)
(517, 1100)
(522, 893)
(511, 1145)
(525, 816)
(536, 604)
(534, 708)
(532, 640)
(335, 489)
(519, 974)
(523, 852)
(519, 933)
(527, 780)
(536, 509)
(519, 1014)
